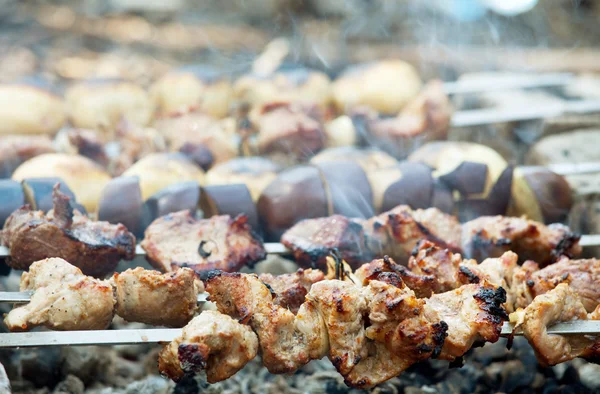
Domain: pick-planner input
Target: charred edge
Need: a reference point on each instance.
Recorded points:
(339, 269)
(123, 244)
(440, 332)
(469, 274)
(491, 301)
(565, 245)
(433, 238)
(209, 275)
(203, 253)
(391, 278)
(458, 362)
(190, 358)
(530, 283)
(479, 241)
(510, 340)
(268, 286)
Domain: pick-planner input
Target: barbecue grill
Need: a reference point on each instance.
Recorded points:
(320, 155)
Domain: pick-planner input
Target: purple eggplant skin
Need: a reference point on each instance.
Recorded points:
(38, 193)
(12, 198)
(177, 197)
(232, 200)
(121, 202)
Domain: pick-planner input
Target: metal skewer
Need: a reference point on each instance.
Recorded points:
(466, 86)
(164, 335)
(25, 296)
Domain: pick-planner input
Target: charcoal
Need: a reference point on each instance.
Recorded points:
(149, 385)
(70, 385)
(39, 366)
(515, 376)
(590, 376)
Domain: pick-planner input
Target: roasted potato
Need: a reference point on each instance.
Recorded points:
(84, 177)
(159, 170)
(255, 172)
(104, 103)
(385, 86)
(29, 109)
(197, 87)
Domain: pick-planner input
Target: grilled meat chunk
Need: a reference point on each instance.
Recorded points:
(490, 236)
(473, 313)
(17, 149)
(63, 299)
(312, 240)
(583, 276)
(395, 233)
(150, 297)
(211, 342)
(291, 289)
(180, 240)
(94, 247)
(560, 304)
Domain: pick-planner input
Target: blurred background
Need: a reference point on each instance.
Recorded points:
(140, 40)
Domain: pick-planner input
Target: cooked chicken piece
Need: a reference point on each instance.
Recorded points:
(17, 149)
(395, 233)
(558, 305)
(180, 240)
(473, 313)
(312, 240)
(583, 276)
(63, 299)
(287, 342)
(94, 247)
(288, 129)
(398, 334)
(150, 297)
(490, 236)
(211, 342)
(291, 289)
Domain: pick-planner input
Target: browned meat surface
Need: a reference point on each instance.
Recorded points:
(211, 342)
(312, 240)
(395, 233)
(490, 236)
(473, 313)
(583, 276)
(16, 149)
(85, 143)
(150, 297)
(288, 129)
(425, 118)
(94, 247)
(291, 289)
(560, 304)
(180, 240)
(63, 299)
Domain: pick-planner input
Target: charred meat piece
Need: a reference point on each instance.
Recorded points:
(150, 297)
(490, 236)
(583, 276)
(84, 142)
(211, 342)
(395, 233)
(17, 149)
(473, 313)
(63, 299)
(312, 240)
(291, 289)
(558, 305)
(180, 240)
(94, 247)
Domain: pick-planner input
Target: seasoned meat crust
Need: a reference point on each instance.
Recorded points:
(395, 233)
(180, 240)
(94, 247)
(63, 299)
(370, 333)
(212, 342)
(560, 304)
(290, 289)
(157, 299)
(490, 236)
(312, 240)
